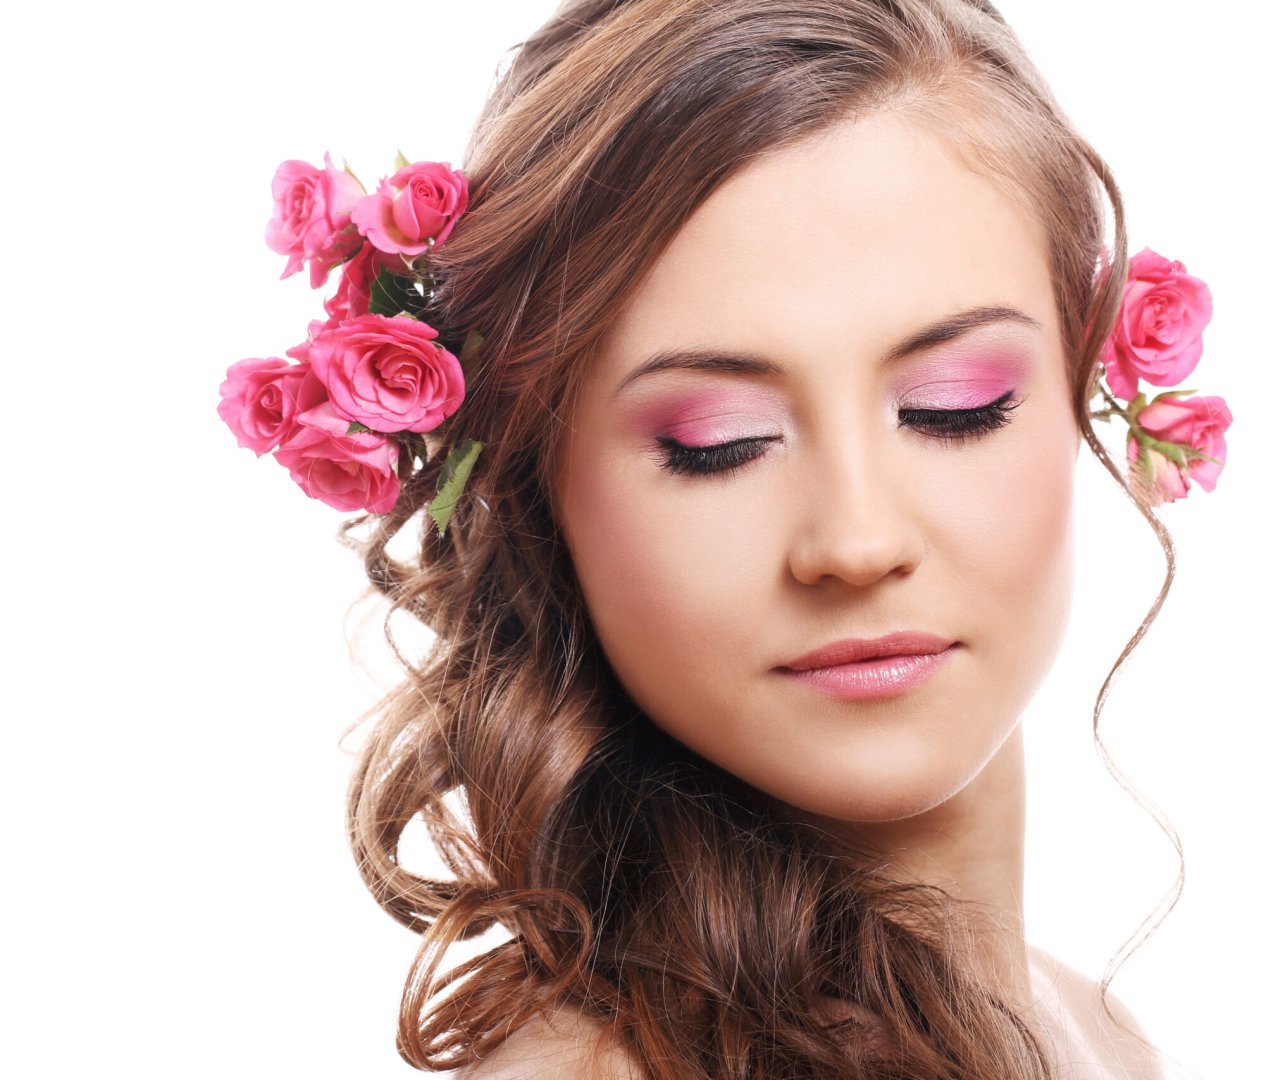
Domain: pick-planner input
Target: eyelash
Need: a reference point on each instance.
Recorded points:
(949, 425)
(956, 425)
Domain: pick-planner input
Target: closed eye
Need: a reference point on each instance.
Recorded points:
(947, 425)
(707, 460)
(956, 425)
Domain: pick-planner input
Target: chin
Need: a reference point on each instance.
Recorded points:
(864, 802)
(903, 778)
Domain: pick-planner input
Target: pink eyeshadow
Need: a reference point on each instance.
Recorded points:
(960, 382)
(708, 416)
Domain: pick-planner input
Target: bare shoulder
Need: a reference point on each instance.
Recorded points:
(562, 1044)
(1115, 1037)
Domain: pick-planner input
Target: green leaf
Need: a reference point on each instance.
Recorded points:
(400, 161)
(450, 484)
(357, 428)
(391, 294)
(1175, 452)
(1171, 393)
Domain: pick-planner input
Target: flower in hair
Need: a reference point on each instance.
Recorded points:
(312, 217)
(356, 279)
(1180, 439)
(1158, 335)
(349, 470)
(348, 414)
(388, 374)
(414, 209)
(1173, 438)
(260, 400)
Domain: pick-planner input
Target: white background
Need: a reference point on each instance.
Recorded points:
(179, 898)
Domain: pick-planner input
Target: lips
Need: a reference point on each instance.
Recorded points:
(852, 650)
(868, 669)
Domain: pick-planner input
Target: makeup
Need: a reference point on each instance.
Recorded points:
(710, 415)
(961, 379)
(860, 669)
(885, 677)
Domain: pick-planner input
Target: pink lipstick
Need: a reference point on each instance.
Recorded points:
(864, 668)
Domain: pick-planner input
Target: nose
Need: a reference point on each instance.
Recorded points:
(853, 521)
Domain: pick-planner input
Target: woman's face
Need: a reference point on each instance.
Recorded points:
(812, 322)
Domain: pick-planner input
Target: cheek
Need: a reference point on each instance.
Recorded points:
(1012, 541)
(664, 597)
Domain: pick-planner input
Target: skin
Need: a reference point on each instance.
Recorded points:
(851, 525)
(821, 259)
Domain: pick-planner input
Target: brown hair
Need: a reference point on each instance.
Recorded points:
(643, 886)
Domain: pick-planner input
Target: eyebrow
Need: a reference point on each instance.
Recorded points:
(733, 364)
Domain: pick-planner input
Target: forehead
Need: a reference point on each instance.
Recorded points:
(845, 240)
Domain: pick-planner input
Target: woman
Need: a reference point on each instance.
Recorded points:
(788, 322)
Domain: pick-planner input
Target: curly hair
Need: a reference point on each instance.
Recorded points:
(648, 889)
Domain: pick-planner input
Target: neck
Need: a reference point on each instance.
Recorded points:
(971, 846)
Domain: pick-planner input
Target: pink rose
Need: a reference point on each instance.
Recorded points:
(1160, 478)
(421, 202)
(388, 373)
(352, 298)
(348, 472)
(312, 217)
(261, 398)
(1157, 337)
(1196, 424)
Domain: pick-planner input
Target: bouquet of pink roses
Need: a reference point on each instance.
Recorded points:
(347, 412)
(1157, 338)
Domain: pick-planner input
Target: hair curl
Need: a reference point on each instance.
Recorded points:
(650, 890)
